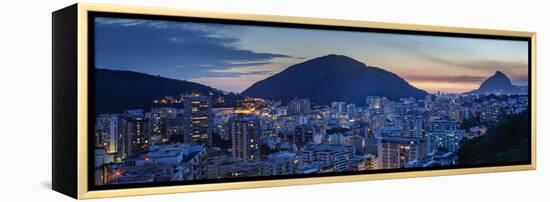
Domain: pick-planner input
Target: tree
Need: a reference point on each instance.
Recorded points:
(506, 142)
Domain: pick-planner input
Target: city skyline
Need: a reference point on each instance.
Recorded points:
(233, 57)
(263, 138)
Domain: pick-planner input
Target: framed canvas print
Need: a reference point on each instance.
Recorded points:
(151, 101)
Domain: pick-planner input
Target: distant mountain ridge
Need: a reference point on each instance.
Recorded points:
(333, 78)
(499, 83)
(117, 90)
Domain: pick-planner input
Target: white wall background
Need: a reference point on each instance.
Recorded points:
(25, 99)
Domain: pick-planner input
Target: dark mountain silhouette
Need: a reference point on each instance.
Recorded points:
(499, 83)
(117, 90)
(333, 78)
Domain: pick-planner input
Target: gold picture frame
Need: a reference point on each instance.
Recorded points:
(75, 19)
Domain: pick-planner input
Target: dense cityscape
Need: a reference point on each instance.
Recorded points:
(189, 139)
(199, 102)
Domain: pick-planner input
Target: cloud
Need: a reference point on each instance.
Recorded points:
(238, 74)
(174, 49)
(476, 64)
(100, 21)
(446, 79)
(516, 70)
(240, 71)
(455, 55)
(227, 65)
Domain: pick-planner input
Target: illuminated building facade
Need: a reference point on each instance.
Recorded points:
(299, 106)
(245, 136)
(396, 152)
(198, 119)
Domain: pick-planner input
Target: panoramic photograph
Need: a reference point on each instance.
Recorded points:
(190, 101)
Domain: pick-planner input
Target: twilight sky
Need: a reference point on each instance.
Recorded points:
(233, 57)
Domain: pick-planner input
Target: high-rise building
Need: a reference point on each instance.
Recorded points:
(428, 101)
(444, 135)
(396, 152)
(351, 109)
(299, 106)
(457, 114)
(175, 130)
(198, 119)
(442, 124)
(448, 140)
(302, 135)
(157, 120)
(374, 102)
(245, 136)
(411, 126)
(108, 129)
(136, 136)
(339, 107)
